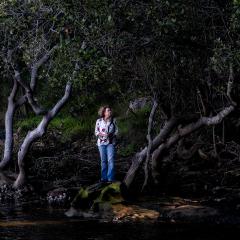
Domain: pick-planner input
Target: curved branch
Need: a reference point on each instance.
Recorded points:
(38, 132)
(182, 132)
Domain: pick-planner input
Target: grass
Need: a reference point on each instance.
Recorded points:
(132, 128)
(70, 127)
(28, 123)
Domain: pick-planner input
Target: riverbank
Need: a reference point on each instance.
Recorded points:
(190, 190)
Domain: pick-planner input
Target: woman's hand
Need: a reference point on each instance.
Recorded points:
(103, 134)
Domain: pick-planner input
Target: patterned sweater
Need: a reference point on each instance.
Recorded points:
(102, 127)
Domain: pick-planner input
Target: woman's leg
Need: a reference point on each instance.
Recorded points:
(103, 156)
(111, 159)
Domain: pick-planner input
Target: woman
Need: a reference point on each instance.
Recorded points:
(106, 130)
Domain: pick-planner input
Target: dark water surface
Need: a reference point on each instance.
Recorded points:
(38, 223)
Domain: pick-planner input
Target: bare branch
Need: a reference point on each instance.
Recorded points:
(150, 122)
(37, 65)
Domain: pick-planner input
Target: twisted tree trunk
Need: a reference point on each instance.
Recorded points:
(183, 132)
(140, 156)
(14, 104)
(163, 142)
(38, 132)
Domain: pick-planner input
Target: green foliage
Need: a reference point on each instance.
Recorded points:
(116, 51)
(86, 67)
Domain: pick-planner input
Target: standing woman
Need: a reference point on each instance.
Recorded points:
(106, 130)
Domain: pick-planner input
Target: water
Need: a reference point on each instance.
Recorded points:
(39, 223)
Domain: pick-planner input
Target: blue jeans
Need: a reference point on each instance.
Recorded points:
(107, 155)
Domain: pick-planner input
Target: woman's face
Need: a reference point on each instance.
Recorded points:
(107, 112)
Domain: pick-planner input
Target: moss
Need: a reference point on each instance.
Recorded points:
(93, 195)
(111, 193)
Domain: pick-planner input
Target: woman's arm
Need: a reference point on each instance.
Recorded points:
(97, 128)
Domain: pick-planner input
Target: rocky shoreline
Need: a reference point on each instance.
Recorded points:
(51, 185)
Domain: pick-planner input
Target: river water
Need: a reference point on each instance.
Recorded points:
(39, 223)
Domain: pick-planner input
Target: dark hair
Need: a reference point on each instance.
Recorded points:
(102, 109)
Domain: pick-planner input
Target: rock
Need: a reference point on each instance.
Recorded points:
(124, 213)
(8, 193)
(97, 193)
(110, 194)
(105, 201)
(189, 212)
(59, 196)
(138, 104)
(72, 212)
(98, 198)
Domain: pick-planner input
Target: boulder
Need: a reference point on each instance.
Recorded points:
(138, 104)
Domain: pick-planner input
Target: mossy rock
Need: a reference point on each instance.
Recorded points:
(94, 195)
(110, 194)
